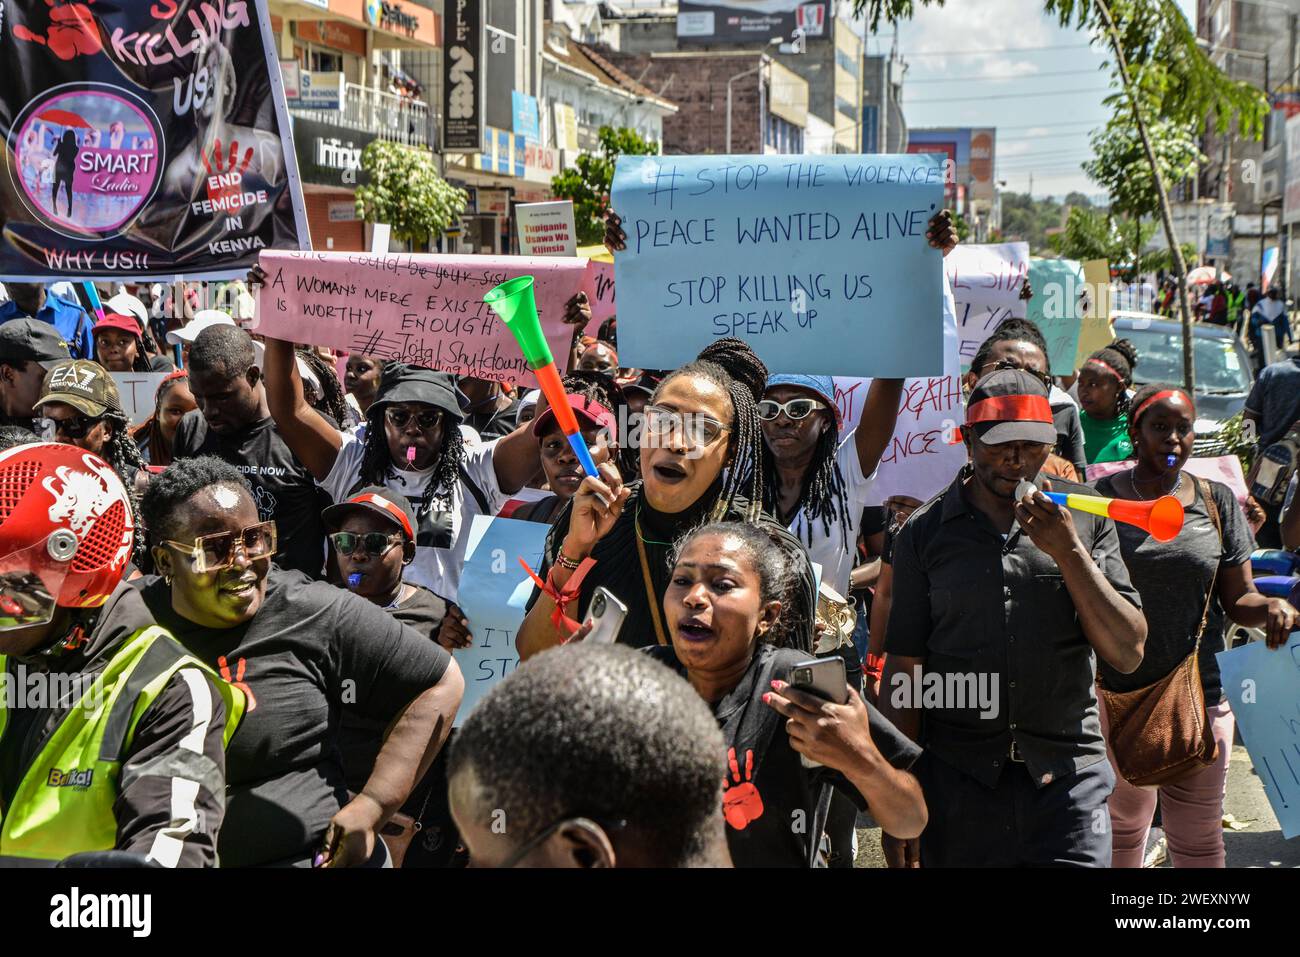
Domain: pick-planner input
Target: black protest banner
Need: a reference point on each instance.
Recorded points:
(143, 140)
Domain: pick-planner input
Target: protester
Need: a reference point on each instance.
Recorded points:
(66, 315)
(322, 388)
(723, 607)
(155, 752)
(362, 378)
(1291, 516)
(1104, 381)
(1019, 344)
(203, 318)
(814, 482)
(118, 344)
(1269, 311)
(594, 756)
(28, 349)
(598, 357)
(373, 534)
(596, 411)
(303, 651)
(1014, 771)
(1273, 410)
(700, 446)
(233, 423)
(527, 410)
(155, 435)
(79, 404)
(1175, 580)
(409, 444)
(897, 510)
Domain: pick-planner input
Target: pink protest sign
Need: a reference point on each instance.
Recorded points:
(599, 287)
(1223, 468)
(425, 310)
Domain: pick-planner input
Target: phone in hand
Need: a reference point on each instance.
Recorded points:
(605, 614)
(824, 677)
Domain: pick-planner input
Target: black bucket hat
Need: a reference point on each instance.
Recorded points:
(407, 383)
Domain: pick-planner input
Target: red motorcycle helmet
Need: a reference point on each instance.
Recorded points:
(65, 532)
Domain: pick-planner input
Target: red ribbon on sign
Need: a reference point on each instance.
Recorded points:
(562, 596)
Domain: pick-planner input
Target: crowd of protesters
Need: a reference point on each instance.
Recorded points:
(291, 530)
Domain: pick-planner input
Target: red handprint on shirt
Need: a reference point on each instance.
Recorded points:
(71, 33)
(238, 681)
(741, 802)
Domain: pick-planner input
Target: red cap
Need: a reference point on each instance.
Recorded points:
(115, 320)
(593, 412)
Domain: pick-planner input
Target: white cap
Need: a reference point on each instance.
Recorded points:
(187, 333)
(125, 304)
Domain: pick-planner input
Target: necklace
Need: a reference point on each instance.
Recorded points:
(637, 525)
(1133, 480)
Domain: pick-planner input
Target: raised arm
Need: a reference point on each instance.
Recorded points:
(876, 427)
(309, 436)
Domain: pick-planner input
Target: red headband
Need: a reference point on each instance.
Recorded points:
(370, 498)
(1166, 394)
(1011, 408)
(1095, 361)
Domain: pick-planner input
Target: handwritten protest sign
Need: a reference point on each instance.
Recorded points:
(1095, 332)
(426, 310)
(1221, 468)
(137, 390)
(599, 287)
(986, 283)
(1057, 308)
(494, 589)
(1263, 688)
(821, 264)
(546, 229)
(919, 461)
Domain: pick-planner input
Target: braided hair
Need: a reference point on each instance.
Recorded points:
(160, 451)
(1122, 356)
(733, 366)
(824, 492)
(121, 452)
(332, 401)
(600, 388)
(377, 462)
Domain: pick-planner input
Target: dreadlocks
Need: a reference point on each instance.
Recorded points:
(824, 491)
(332, 398)
(121, 452)
(377, 463)
(733, 366)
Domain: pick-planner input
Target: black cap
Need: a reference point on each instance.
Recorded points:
(1010, 405)
(406, 383)
(377, 500)
(32, 339)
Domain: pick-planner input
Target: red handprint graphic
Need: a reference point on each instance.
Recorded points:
(238, 681)
(72, 30)
(741, 802)
(225, 179)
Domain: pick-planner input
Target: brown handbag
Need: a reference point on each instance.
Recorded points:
(1161, 734)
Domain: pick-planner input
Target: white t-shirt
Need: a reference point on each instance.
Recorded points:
(443, 530)
(828, 549)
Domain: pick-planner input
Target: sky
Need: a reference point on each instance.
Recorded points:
(1007, 64)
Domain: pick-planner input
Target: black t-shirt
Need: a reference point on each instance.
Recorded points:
(1173, 578)
(282, 487)
(768, 790)
(310, 652)
(493, 423)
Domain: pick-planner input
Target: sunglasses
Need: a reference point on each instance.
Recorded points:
(398, 418)
(795, 410)
(74, 427)
(698, 430)
(374, 543)
(211, 553)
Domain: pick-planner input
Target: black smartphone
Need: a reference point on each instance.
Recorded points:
(824, 677)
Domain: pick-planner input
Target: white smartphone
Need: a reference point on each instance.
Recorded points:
(606, 614)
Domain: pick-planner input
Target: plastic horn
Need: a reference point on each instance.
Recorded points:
(93, 295)
(513, 302)
(1162, 519)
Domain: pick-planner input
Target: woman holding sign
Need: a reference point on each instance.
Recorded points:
(1178, 581)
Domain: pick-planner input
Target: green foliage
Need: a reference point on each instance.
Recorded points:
(1025, 219)
(963, 228)
(588, 185)
(1120, 240)
(1120, 164)
(406, 192)
(1238, 441)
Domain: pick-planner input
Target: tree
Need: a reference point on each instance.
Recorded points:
(1161, 73)
(406, 192)
(1119, 162)
(1077, 200)
(1025, 219)
(588, 185)
(1120, 240)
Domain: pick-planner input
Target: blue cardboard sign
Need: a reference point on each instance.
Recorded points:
(820, 263)
(1263, 690)
(1057, 308)
(494, 588)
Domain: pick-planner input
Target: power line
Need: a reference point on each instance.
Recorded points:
(1002, 77)
(995, 52)
(1049, 126)
(1007, 96)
